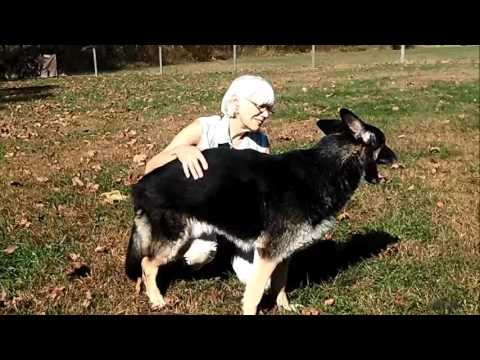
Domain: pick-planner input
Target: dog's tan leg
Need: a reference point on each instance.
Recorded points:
(149, 276)
(262, 270)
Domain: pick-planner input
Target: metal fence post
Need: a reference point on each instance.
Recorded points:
(95, 60)
(160, 60)
(234, 58)
(313, 56)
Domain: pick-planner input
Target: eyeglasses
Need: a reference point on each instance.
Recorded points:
(263, 107)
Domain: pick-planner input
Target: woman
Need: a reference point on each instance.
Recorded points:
(246, 105)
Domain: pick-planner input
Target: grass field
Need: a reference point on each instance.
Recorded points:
(409, 246)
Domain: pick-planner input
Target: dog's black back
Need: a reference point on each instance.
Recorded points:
(243, 186)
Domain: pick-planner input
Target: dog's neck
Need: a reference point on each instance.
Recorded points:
(339, 170)
(342, 154)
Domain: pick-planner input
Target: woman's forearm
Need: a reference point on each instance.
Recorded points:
(160, 159)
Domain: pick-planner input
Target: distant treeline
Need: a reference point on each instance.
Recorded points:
(21, 61)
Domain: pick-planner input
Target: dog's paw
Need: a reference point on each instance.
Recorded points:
(284, 304)
(200, 253)
(249, 310)
(155, 299)
(296, 308)
(157, 304)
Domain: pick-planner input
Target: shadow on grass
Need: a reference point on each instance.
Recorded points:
(320, 262)
(26, 93)
(326, 259)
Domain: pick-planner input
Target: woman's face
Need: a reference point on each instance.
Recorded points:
(253, 115)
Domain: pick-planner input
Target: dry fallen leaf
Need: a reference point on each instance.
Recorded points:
(440, 204)
(17, 300)
(140, 158)
(92, 187)
(383, 178)
(101, 249)
(398, 300)
(24, 222)
(91, 153)
(112, 196)
(73, 257)
(329, 302)
(132, 142)
(411, 187)
(10, 249)
(56, 292)
(343, 215)
(310, 311)
(88, 299)
(42, 179)
(3, 297)
(77, 182)
(61, 209)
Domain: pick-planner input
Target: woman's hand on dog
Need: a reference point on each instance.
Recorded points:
(192, 160)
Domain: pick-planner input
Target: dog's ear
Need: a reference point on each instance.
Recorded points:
(330, 126)
(386, 156)
(356, 126)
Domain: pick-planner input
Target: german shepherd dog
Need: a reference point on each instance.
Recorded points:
(274, 205)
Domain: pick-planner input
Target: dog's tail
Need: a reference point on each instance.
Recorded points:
(138, 245)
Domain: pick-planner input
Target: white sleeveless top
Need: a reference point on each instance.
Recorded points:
(215, 131)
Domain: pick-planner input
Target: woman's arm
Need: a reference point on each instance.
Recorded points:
(184, 147)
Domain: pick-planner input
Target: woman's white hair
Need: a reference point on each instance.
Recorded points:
(248, 87)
